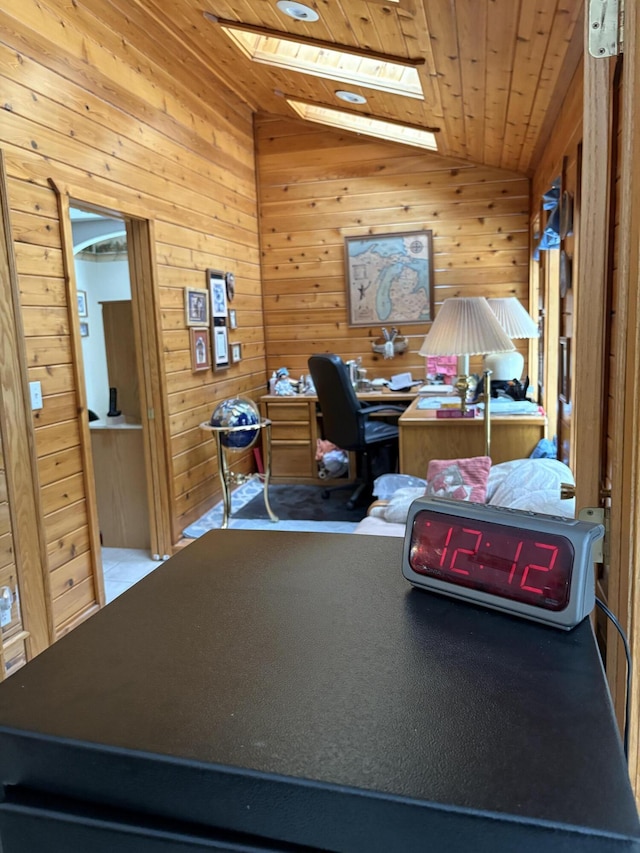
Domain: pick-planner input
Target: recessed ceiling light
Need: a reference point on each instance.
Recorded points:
(297, 10)
(350, 97)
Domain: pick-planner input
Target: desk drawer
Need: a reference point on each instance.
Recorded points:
(288, 412)
(290, 430)
(291, 460)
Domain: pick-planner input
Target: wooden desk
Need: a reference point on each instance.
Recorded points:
(296, 424)
(423, 437)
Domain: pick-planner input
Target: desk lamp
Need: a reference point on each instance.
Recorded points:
(467, 326)
(517, 323)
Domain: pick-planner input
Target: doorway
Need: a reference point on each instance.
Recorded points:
(112, 277)
(111, 368)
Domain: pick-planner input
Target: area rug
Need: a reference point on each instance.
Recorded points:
(308, 505)
(303, 503)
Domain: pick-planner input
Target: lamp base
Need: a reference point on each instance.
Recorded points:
(463, 384)
(505, 366)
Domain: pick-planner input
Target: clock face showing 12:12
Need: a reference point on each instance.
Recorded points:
(523, 565)
(527, 564)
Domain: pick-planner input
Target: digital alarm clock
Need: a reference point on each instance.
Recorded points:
(536, 566)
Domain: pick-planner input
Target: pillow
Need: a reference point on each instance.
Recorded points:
(498, 474)
(534, 485)
(398, 507)
(459, 479)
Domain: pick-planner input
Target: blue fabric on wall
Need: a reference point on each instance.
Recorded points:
(546, 448)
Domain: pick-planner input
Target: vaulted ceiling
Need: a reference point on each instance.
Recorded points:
(493, 72)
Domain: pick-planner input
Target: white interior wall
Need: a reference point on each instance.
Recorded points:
(102, 281)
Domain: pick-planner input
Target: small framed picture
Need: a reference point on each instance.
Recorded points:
(564, 369)
(82, 304)
(200, 353)
(218, 293)
(196, 306)
(220, 347)
(236, 352)
(84, 330)
(233, 323)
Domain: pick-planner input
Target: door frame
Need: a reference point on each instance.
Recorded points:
(591, 412)
(146, 321)
(19, 452)
(625, 505)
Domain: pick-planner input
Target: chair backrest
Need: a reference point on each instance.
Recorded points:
(342, 422)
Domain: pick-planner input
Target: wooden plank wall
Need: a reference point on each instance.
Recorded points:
(12, 636)
(318, 186)
(83, 107)
(563, 146)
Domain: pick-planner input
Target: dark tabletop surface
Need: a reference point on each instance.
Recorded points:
(308, 658)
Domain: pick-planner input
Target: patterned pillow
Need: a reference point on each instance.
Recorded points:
(459, 479)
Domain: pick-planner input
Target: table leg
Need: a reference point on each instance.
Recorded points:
(267, 475)
(223, 472)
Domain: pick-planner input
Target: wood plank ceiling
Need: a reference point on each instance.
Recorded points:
(493, 72)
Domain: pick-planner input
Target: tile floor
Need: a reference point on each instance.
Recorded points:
(122, 567)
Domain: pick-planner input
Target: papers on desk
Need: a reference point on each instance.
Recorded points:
(430, 402)
(402, 381)
(504, 406)
(498, 407)
(437, 390)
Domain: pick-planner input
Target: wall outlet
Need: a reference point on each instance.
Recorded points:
(35, 389)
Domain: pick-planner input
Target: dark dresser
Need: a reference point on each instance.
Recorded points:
(267, 691)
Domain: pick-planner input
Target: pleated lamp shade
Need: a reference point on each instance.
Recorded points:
(465, 326)
(517, 323)
(514, 317)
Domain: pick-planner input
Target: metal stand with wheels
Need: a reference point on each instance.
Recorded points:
(228, 477)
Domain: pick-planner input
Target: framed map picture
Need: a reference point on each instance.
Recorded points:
(389, 278)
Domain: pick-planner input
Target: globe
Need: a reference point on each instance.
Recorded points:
(237, 411)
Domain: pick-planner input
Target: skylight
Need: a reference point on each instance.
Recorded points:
(387, 74)
(364, 124)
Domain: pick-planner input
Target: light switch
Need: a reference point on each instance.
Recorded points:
(35, 389)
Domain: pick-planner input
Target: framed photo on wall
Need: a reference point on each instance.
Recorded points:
(220, 342)
(196, 306)
(200, 352)
(236, 352)
(564, 369)
(389, 278)
(83, 310)
(233, 322)
(217, 292)
(84, 329)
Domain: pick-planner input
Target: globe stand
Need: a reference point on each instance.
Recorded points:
(228, 477)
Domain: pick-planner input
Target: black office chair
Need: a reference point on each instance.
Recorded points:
(346, 423)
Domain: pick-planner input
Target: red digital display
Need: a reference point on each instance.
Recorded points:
(521, 565)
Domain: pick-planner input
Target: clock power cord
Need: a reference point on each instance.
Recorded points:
(627, 651)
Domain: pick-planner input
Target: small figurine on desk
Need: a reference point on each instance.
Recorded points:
(283, 386)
